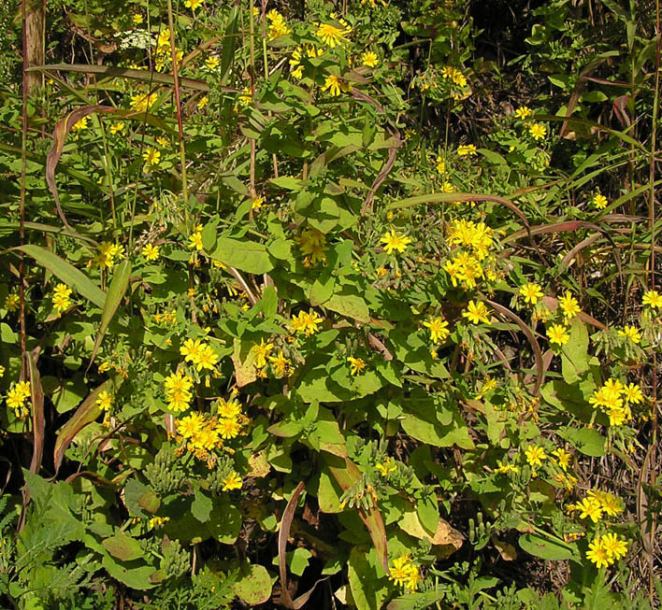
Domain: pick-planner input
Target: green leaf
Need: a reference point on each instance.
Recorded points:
(244, 255)
(288, 182)
(140, 499)
(298, 560)
(585, 440)
(123, 547)
(201, 507)
(574, 358)
(368, 591)
(546, 548)
(66, 272)
(350, 305)
(254, 588)
(114, 296)
(135, 578)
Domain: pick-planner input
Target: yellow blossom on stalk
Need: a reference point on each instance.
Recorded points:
(616, 547)
(277, 25)
(257, 203)
(296, 67)
(609, 503)
(454, 75)
(107, 254)
(150, 252)
(200, 354)
(356, 365)
(190, 425)
(538, 131)
(505, 468)
(177, 388)
(137, 19)
(195, 241)
(193, 4)
(447, 187)
(335, 85)
(212, 62)
(476, 312)
(228, 428)
(605, 550)
(535, 455)
(589, 508)
(370, 59)
(386, 467)
(105, 400)
(652, 299)
(599, 201)
(523, 113)
(441, 165)
(563, 457)
(17, 395)
(631, 333)
(331, 35)
(261, 353)
(632, 394)
(12, 302)
(61, 298)
(466, 150)
(152, 157)
(232, 481)
(531, 292)
(115, 128)
(313, 244)
(245, 97)
(476, 236)
(230, 408)
(395, 242)
(569, 305)
(557, 334)
(438, 328)
(202, 103)
(306, 323)
(81, 124)
(156, 522)
(143, 102)
(280, 364)
(404, 572)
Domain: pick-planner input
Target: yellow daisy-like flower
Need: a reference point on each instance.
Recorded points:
(232, 481)
(395, 242)
(616, 547)
(387, 467)
(277, 25)
(597, 553)
(466, 150)
(441, 165)
(476, 312)
(599, 201)
(523, 113)
(538, 131)
(228, 428)
(137, 19)
(531, 292)
(505, 468)
(151, 252)
(563, 458)
(356, 365)
(652, 299)
(557, 334)
(335, 85)
(193, 4)
(195, 241)
(589, 508)
(306, 323)
(632, 394)
(144, 102)
(61, 298)
(631, 333)
(331, 35)
(404, 572)
(370, 59)
(280, 364)
(569, 305)
(104, 400)
(80, 124)
(152, 157)
(438, 328)
(212, 62)
(261, 353)
(117, 127)
(535, 455)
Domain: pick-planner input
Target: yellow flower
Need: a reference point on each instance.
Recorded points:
(107, 254)
(17, 394)
(177, 388)
(356, 365)
(137, 19)
(144, 102)
(61, 298)
(466, 150)
(335, 85)
(80, 124)
(476, 312)
(395, 242)
(589, 508)
(569, 305)
(280, 364)
(447, 187)
(387, 467)
(505, 468)
(232, 481)
(115, 128)
(229, 409)
(306, 323)
(441, 165)
(104, 400)
(201, 355)
(312, 243)
(600, 201)
(261, 353)
(616, 547)
(597, 553)
(212, 62)
(228, 428)
(370, 59)
(277, 25)
(331, 35)
(538, 131)
(12, 302)
(631, 333)
(195, 241)
(609, 503)
(152, 157)
(438, 328)
(557, 334)
(151, 252)
(563, 458)
(531, 292)
(652, 299)
(404, 572)
(257, 203)
(202, 103)
(155, 522)
(193, 4)
(523, 112)
(535, 455)
(632, 394)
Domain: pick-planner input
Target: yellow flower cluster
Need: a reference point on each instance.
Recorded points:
(167, 317)
(466, 150)
(61, 298)
(151, 252)
(306, 323)
(177, 387)
(606, 549)
(596, 503)
(201, 355)
(277, 25)
(615, 399)
(17, 397)
(313, 247)
(108, 254)
(143, 102)
(404, 572)
(163, 53)
(461, 90)
(468, 267)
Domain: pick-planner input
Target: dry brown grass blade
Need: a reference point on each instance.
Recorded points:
(528, 333)
(38, 422)
(60, 134)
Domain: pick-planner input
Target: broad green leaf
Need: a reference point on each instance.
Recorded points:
(369, 591)
(546, 548)
(350, 305)
(574, 357)
(254, 587)
(244, 255)
(67, 273)
(123, 547)
(201, 507)
(585, 440)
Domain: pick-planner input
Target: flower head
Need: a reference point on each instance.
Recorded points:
(438, 328)
(538, 131)
(531, 292)
(558, 334)
(631, 333)
(306, 323)
(150, 252)
(535, 455)
(652, 299)
(331, 35)
(599, 201)
(370, 59)
(356, 365)
(232, 481)
(395, 242)
(476, 312)
(466, 150)
(61, 298)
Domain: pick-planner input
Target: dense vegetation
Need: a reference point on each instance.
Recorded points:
(330, 304)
